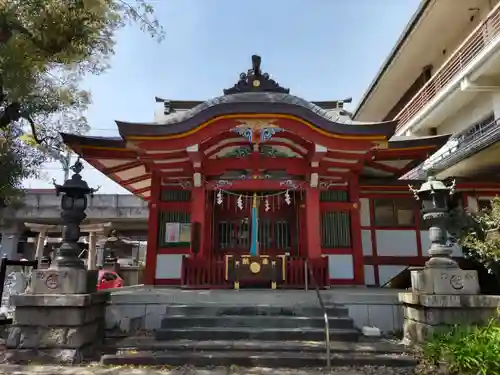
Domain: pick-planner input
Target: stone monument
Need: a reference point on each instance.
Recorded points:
(62, 318)
(442, 294)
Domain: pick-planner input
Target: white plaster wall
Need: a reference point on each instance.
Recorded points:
(340, 266)
(364, 212)
(369, 275)
(169, 266)
(366, 242)
(426, 244)
(385, 273)
(396, 243)
(480, 107)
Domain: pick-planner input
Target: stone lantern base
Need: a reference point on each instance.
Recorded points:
(64, 281)
(60, 321)
(442, 297)
(424, 314)
(444, 281)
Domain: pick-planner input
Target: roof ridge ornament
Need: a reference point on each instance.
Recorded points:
(256, 81)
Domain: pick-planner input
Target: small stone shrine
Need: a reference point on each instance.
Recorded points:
(62, 318)
(442, 294)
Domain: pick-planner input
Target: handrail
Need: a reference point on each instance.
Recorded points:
(475, 42)
(325, 314)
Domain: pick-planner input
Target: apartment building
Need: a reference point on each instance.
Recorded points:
(443, 77)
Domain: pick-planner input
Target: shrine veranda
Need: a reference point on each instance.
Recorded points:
(245, 188)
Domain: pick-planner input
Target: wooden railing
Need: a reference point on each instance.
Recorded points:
(476, 42)
(202, 273)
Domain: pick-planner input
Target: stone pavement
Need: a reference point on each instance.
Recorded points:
(186, 370)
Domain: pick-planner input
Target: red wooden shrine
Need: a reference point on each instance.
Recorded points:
(259, 139)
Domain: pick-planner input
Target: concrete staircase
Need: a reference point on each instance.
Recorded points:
(264, 336)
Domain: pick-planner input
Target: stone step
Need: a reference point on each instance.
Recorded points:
(238, 333)
(256, 359)
(148, 343)
(257, 321)
(223, 310)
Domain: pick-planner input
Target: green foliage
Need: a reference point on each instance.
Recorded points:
(466, 350)
(46, 48)
(482, 241)
(17, 162)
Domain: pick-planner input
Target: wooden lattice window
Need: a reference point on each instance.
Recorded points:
(335, 230)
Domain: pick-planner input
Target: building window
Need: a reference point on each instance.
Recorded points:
(394, 212)
(477, 129)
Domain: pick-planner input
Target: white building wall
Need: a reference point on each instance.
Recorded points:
(169, 266)
(396, 243)
(341, 266)
(479, 108)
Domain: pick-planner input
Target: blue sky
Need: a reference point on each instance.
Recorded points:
(320, 49)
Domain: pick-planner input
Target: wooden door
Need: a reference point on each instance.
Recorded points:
(278, 231)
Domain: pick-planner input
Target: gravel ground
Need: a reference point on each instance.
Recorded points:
(186, 370)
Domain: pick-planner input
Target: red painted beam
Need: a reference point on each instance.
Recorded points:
(136, 179)
(383, 167)
(292, 166)
(123, 167)
(195, 155)
(323, 171)
(185, 166)
(165, 155)
(337, 206)
(143, 190)
(91, 153)
(337, 164)
(257, 185)
(316, 153)
(345, 155)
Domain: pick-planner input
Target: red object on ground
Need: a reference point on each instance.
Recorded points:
(108, 280)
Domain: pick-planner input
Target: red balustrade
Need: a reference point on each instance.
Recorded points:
(209, 273)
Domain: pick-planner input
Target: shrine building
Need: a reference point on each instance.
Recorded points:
(258, 187)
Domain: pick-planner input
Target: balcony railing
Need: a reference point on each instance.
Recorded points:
(458, 148)
(476, 42)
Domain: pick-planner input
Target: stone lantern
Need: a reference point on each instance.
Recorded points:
(63, 315)
(434, 197)
(67, 273)
(73, 204)
(441, 274)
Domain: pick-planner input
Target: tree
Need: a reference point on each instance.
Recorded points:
(482, 241)
(46, 48)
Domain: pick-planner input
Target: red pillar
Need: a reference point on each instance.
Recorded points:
(312, 223)
(357, 247)
(198, 214)
(152, 248)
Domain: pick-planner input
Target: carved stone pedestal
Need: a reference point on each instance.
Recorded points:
(442, 297)
(64, 281)
(425, 313)
(444, 281)
(61, 322)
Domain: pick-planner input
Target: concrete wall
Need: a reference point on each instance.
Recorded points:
(139, 307)
(480, 107)
(46, 206)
